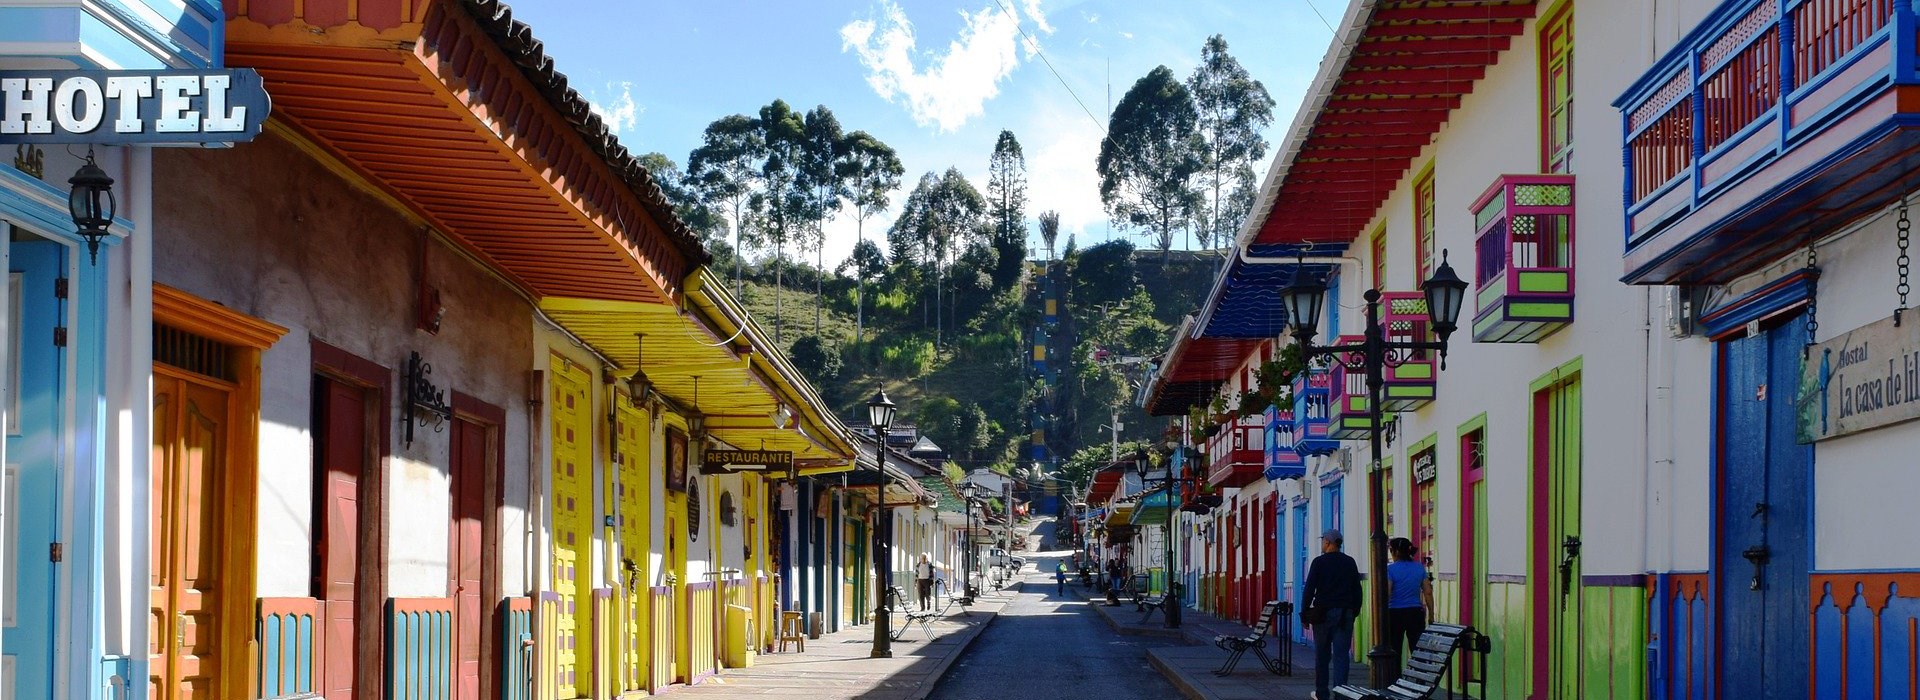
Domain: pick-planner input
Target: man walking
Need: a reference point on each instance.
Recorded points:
(1331, 601)
(923, 575)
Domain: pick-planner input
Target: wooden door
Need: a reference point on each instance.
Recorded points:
(192, 417)
(633, 436)
(341, 439)
(466, 530)
(35, 433)
(572, 441)
(1555, 576)
(1762, 548)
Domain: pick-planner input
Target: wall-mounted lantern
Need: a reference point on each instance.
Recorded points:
(425, 403)
(91, 205)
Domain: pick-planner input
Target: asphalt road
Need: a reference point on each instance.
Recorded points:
(1044, 646)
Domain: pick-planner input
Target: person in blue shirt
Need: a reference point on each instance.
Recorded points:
(1409, 596)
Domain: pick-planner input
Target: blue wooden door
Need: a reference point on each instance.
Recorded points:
(1763, 547)
(1299, 564)
(33, 466)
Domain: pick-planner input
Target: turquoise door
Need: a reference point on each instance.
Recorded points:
(1299, 563)
(33, 465)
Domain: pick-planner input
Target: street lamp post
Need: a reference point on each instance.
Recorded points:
(880, 415)
(970, 494)
(1171, 605)
(1303, 300)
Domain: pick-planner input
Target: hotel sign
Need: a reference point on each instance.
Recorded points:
(1865, 379)
(730, 461)
(131, 106)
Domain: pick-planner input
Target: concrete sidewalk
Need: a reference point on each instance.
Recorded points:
(1190, 668)
(837, 666)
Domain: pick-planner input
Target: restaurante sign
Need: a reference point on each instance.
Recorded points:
(131, 106)
(730, 461)
(1864, 379)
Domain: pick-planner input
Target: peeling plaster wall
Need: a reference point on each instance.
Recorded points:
(268, 231)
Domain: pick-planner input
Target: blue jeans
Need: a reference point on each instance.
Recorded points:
(1332, 650)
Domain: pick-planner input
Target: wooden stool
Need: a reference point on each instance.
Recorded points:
(793, 629)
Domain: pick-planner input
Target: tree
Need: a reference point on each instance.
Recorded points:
(1104, 274)
(1231, 109)
(873, 172)
(1007, 207)
(816, 360)
(823, 179)
(1049, 230)
(866, 261)
(940, 214)
(782, 208)
(687, 204)
(1149, 157)
(724, 171)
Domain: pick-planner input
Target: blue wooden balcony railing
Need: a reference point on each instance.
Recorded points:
(1770, 119)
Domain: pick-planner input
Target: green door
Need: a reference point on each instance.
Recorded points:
(1555, 577)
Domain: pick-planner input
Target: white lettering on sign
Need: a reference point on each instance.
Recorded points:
(139, 106)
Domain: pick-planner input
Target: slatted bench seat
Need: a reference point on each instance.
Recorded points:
(1426, 672)
(1281, 663)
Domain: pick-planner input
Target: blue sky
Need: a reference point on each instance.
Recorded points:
(936, 79)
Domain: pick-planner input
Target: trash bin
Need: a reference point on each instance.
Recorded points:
(814, 623)
(736, 650)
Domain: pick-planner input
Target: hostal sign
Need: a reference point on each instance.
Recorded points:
(1865, 379)
(131, 106)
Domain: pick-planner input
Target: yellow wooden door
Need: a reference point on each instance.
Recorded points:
(191, 420)
(572, 525)
(633, 439)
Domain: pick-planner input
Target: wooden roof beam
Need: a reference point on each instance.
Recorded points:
(1459, 59)
(1437, 87)
(1495, 45)
(1433, 30)
(1455, 13)
(1387, 104)
(1378, 74)
(1343, 141)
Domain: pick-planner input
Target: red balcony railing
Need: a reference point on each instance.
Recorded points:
(1236, 456)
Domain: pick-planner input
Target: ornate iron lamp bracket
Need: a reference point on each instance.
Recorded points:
(425, 403)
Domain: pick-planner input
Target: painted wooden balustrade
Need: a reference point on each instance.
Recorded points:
(1412, 383)
(546, 646)
(607, 669)
(1523, 258)
(766, 613)
(1681, 639)
(290, 655)
(1312, 391)
(419, 649)
(1282, 461)
(661, 625)
(1235, 454)
(1348, 416)
(1770, 116)
(1866, 634)
(702, 645)
(516, 649)
(632, 637)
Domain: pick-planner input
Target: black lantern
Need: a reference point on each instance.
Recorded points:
(880, 413)
(1303, 300)
(90, 203)
(1445, 291)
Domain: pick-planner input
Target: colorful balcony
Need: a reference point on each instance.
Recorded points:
(1235, 455)
(1312, 390)
(1523, 258)
(1412, 384)
(1282, 461)
(1348, 417)
(1771, 118)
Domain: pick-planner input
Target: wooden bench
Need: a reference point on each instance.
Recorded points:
(1426, 670)
(1280, 664)
(1148, 604)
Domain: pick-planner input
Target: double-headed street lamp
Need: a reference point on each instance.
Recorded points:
(880, 411)
(972, 495)
(1170, 605)
(1303, 300)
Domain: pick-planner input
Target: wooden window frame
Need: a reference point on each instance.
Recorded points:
(1557, 21)
(1424, 238)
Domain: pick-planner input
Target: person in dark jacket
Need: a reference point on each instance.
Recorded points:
(1333, 595)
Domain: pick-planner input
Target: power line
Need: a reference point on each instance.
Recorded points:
(1316, 13)
(1043, 59)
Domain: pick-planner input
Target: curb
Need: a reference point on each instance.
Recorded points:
(1099, 606)
(1175, 678)
(939, 672)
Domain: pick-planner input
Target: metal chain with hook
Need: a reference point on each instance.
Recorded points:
(1904, 228)
(1813, 299)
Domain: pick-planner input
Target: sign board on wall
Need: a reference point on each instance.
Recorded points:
(1865, 379)
(730, 461)
(1425, 467)
(131, 106)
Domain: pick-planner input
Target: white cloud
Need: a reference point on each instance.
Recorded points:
(1091, 17)
(620, 113)
(952, 86)
(1126, 35)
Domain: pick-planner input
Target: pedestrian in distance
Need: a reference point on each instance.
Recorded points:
(923, 575)
(1060, 579)
(1409, 596)
(1328, 606)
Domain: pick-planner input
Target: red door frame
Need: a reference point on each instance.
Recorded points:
(335, 366)
(479, 503)
(1473, 470)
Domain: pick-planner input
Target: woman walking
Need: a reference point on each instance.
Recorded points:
(1409, 596)
(1331, 601)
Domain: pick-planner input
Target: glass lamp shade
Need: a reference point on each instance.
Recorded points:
(1445, 291)
(90, 203)
(1303, 300)
(880, 412)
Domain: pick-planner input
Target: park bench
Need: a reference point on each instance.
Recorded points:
(1427, 668)
(1281, 663)
(1148, 604)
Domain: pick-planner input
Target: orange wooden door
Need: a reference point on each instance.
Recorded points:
(340, 461)
(470, 440)
(191, 421)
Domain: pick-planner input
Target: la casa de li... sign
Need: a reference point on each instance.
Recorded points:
(1865, 379)
(132, 106)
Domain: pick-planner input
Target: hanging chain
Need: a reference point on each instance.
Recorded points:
(1902, 263)
(1813, 299)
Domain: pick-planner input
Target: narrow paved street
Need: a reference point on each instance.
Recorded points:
(1048, 646)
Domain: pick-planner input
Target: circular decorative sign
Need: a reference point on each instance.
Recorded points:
(693, 509)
